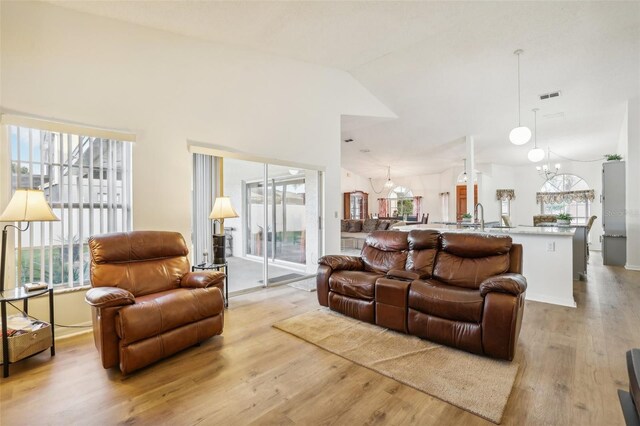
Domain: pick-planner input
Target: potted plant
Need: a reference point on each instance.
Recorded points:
(563, 219)
(613, 157)
(467, 217)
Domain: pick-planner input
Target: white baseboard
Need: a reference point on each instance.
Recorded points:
(65, 333)
(551, 300)
(632, 267)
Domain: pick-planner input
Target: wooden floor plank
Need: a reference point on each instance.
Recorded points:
(572, 361)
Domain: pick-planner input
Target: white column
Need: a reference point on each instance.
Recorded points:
(471, 177)
(632, 172)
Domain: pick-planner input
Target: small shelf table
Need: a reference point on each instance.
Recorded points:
(217, 267)
(15, 295)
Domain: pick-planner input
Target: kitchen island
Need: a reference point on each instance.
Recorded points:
(547, 264)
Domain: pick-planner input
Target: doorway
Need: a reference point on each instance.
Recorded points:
(461, 200)
(276, 238)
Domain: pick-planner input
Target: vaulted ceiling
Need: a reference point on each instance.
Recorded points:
(446, 69)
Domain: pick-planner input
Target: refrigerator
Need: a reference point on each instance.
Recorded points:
(614, 239)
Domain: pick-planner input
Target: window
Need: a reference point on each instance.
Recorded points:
(505, 207)
(566, 193)
(400, 202)
(87, 182)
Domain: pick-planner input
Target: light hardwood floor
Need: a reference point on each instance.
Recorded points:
(572, 361)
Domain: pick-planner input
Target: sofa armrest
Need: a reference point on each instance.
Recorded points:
(509, 283)
(403, 275)
(342, 263)
(201, 279)
(106, 297)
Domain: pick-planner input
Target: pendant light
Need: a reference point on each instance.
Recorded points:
(521, 134)
(464, 175)
(389, 182)
(535, 154)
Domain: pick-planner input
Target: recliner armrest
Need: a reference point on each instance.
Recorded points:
(106, 297)
(201, 279)
(509, 283)
(342, 263)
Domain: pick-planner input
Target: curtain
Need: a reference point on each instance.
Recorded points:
(382, 207)
(205, 190)
(565, 196)
(444, 206)
(505, 194)
(417, 201)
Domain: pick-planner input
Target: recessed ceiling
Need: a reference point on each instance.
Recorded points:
(446, 69)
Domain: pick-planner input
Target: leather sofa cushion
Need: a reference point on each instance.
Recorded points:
(468, 272)
(363, 310)
(142, 277)
(462, 335)
(356, 284)
(420, 239)
(475, 245)
(385, 250)
(158, 313)
(444, 301)
(136, 245)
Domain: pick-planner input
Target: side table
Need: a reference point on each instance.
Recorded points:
(14, 295)
(217, 267)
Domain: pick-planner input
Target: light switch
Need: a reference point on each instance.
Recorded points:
(551, 246)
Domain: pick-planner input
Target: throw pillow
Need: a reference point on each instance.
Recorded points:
(383, 225)
(369, 225)
(355, 226)
(344, 225)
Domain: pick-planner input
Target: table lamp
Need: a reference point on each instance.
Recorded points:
(222, 209)
(26, 205)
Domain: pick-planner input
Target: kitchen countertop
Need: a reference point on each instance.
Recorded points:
(523, 230)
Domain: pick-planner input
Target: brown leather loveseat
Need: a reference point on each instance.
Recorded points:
(145, 303)
(460, 289)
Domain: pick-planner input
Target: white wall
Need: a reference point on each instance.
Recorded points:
(632, 171)
(168, 89)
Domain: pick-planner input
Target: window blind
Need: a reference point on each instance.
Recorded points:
(86, 180)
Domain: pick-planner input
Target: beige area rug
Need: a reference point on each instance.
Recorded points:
(476, 384)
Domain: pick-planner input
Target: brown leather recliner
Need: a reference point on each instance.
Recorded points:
(145, 303)
(460, 289)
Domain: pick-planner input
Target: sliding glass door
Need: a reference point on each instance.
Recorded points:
(276, 238)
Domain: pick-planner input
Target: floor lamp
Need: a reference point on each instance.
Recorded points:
(222, 209)
(26, 205)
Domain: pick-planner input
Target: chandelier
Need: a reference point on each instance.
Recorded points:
(388, 184)
(546, 171)
(521, 134)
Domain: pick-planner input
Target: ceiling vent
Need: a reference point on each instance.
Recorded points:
(551, 95)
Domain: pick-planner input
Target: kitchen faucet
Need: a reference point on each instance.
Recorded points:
(475, 210)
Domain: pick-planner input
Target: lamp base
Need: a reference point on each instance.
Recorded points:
(219, 243)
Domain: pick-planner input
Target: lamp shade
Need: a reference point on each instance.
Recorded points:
(536, 154)
(222, 209)
(520, 135)
(28, 205)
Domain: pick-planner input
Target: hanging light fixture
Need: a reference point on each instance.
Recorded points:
(464, 175)
(389, 182)
(545, 170)
(535, 154)
(521, 134)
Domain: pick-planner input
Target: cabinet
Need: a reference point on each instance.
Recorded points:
(614, 240)
(356, 205)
